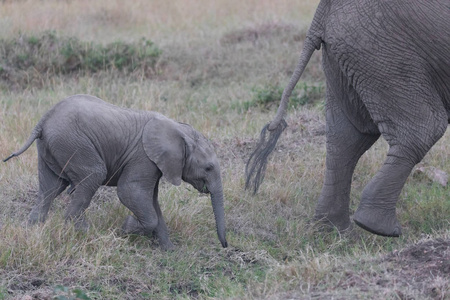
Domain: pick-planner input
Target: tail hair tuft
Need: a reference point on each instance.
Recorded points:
(257, 163)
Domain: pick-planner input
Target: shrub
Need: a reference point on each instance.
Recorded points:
(268, 96)
(26, 59)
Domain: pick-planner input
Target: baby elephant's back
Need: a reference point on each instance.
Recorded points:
(84, 113)
(77, 108)
(82, 125)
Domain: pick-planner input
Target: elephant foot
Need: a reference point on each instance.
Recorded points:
(325, 222)
(35, 217)
(80, 224)
(132, 226)
(378, 221)
(332, 219)
(167, 245)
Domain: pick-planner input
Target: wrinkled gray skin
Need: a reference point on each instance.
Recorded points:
(84, 142)
(387, 68)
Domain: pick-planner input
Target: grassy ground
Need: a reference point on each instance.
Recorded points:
(220, 69)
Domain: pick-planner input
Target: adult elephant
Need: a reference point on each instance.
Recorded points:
(387, 68)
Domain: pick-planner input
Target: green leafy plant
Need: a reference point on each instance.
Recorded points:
(64, 293)
(268, 96)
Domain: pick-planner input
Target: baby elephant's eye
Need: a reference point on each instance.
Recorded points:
(209, 168)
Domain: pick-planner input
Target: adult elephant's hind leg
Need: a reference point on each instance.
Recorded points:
(345, 145)
(347, 140)
(376, 212)
(409, 137)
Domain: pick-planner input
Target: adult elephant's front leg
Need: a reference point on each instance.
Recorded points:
(345, 145)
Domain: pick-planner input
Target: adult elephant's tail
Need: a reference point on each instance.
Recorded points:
(256, 165)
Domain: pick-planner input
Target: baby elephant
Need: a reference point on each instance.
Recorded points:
(85, 142)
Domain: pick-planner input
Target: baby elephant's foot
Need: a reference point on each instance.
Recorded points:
(132, 226)
(36, 216)
(33, 219)
(81, 224)
(378, 221)
(167, 245)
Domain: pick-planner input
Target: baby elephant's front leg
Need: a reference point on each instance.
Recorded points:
(161, 229)
(148, 219)
(133, 226)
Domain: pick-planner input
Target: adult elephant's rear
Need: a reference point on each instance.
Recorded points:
(387, 65)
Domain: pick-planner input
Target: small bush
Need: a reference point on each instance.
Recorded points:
(64, 293)
(270, 95)
(27, 59)
(266, 96)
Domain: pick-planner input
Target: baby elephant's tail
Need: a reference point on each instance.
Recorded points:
(37, 131)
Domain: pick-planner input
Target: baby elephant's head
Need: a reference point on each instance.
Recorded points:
(182, 153)
(202, 169)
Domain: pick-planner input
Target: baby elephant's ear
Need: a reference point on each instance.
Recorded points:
(164, 145)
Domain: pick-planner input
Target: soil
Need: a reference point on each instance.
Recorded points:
(424, 266)
(420, 271)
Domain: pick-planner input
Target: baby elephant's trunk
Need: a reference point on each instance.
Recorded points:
(219, 214)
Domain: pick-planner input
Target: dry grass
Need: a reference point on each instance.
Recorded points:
(215, 55)
(159, 20)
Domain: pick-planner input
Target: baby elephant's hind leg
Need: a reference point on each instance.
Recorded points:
(80, 199)
(50, 186)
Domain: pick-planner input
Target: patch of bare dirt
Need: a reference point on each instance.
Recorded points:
(25, 286)
(425, 266)
(420, 271)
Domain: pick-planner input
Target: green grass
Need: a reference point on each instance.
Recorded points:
(268, 97)
(224, 76)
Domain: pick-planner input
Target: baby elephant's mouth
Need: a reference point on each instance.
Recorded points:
(203, 188)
